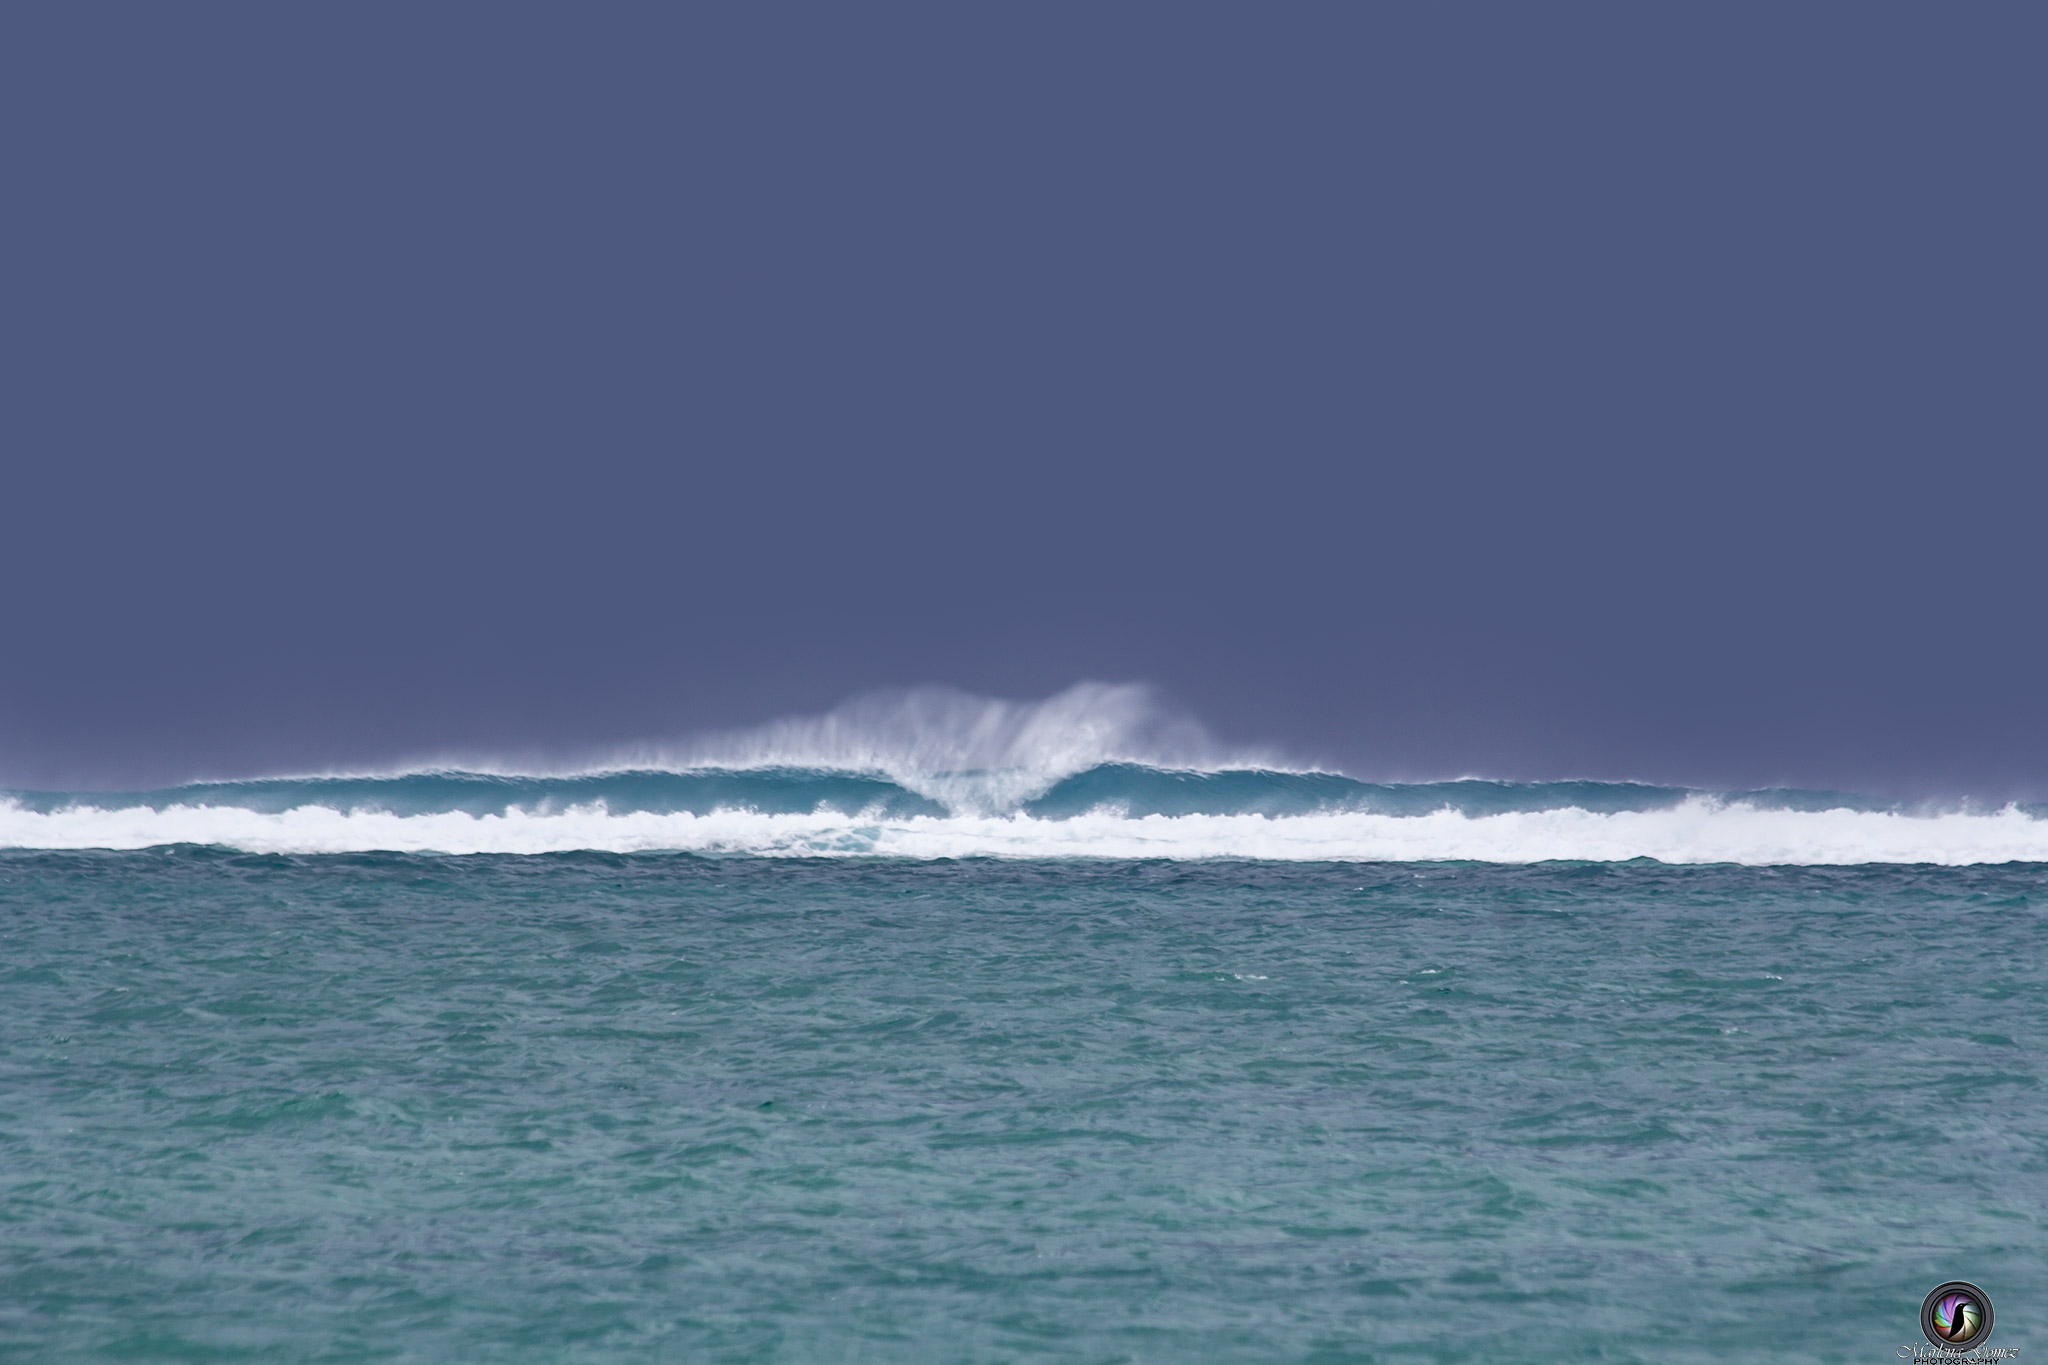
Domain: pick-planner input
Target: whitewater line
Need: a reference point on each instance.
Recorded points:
(1695, 831)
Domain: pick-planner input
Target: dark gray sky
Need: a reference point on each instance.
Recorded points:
(1619, 390)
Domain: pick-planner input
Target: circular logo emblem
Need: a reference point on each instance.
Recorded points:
(1956, 1315)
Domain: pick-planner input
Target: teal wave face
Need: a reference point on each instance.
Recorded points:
(772, 791)
(1138, 790)
(1123, 788)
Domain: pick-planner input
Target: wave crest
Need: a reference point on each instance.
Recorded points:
(971, 754)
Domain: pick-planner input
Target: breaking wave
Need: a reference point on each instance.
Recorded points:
(1095, 772)
(1108, 811)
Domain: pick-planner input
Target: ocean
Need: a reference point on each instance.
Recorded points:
(1109, 1062)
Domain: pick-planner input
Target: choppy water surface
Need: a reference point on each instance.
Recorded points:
(665, 1107)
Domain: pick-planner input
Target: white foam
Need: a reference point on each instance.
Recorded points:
(1698, 831)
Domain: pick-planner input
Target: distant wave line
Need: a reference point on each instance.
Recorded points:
(968, 752)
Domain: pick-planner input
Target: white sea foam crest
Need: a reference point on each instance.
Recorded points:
(973, 755)
(1696, 831)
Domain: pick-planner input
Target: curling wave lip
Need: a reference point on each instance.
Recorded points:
(967, 752)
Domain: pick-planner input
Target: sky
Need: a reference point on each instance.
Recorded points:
(1614, 391)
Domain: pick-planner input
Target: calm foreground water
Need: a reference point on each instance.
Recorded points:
(659, 1107)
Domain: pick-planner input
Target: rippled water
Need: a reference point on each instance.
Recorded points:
(664, 1107)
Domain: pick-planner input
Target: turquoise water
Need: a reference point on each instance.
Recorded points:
(660, 1106)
